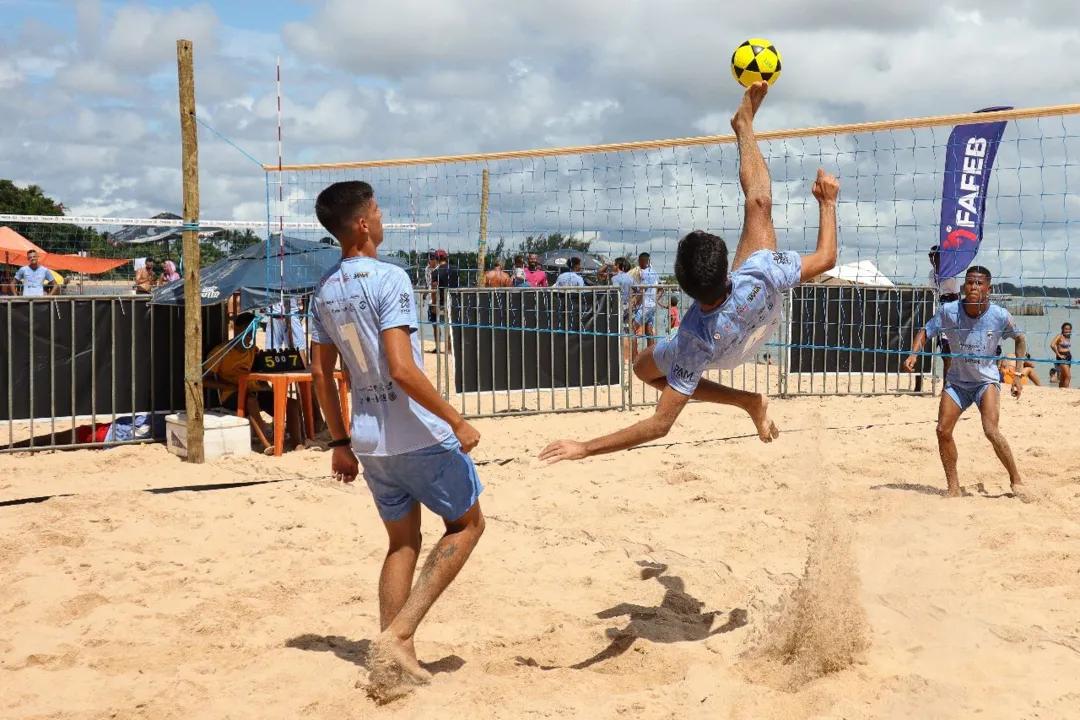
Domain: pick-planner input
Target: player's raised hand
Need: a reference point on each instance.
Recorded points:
(826, 188)
(564, 450)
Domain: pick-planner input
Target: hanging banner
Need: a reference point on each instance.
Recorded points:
(969, 158)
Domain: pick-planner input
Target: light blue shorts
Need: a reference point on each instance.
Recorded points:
(965, 397)
(441, 477)
(645, 316)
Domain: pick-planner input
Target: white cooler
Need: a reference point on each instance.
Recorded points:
(223, 435)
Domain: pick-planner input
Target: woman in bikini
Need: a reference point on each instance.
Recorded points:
(1062, 347)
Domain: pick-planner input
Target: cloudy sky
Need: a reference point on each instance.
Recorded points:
(89, 100)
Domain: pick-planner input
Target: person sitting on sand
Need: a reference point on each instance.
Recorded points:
(731, 316)
(228, 361)
(974, 327)
(411, 443)
(1007, 369)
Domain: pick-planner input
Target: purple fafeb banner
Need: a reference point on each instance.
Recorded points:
(969, 158)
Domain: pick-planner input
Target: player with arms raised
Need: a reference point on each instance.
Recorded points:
(732, 315)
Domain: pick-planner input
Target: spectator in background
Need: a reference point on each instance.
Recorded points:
(496, 277)
(443, 279)
(645, 300)
(145, 277)
(34, 277)
(948, 290)
(535, 275)
(518, 277)
(673, 312)
(572, 277)
(622, 280)
(168, 273)
(1061, 346)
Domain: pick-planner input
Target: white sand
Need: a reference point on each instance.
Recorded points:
(259, 602)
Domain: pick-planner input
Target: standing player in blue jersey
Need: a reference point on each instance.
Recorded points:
(732, 315)
(974, 328)
(411, 443)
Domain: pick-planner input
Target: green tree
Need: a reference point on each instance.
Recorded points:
(541, 244)
(32, 200)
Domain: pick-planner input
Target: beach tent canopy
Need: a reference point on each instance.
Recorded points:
(14, 249)
(255, 273)
(863, 272)
(559, 260)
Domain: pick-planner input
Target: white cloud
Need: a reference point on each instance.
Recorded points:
(93, 114)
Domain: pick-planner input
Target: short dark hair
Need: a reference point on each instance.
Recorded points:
(622, 264)
(340, 203)
(575, 262)
(244, 319)
(980, 270)
(701, 266)
(643, 255)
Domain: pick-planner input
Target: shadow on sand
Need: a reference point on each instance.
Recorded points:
(678, 618)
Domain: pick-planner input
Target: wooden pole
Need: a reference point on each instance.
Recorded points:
(481, 258)
(193, 384)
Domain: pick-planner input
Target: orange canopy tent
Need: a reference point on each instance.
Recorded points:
(14, 247)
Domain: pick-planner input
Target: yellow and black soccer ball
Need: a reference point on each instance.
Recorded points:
(755, 60)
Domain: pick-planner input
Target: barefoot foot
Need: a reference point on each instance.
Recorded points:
(394, 670)
(766, 428)
(744, 117)
(1020, 491)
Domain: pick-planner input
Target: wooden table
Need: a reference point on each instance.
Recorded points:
(279, 382)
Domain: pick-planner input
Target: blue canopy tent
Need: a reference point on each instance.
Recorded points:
(256, 273)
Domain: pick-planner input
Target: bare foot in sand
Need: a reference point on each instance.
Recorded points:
(953, 492)
(744, 116)
(766, 428)
(1020, 491)
(398, 656)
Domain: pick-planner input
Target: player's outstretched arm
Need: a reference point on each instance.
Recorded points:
(414, 382)
(668, 409)
(826, 189)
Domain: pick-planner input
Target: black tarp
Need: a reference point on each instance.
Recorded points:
(256, 273)
(846, 324)
(119, 354)
(510, 340)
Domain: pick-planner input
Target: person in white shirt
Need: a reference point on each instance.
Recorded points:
(411, 443)
(948, 290)
(572, 277)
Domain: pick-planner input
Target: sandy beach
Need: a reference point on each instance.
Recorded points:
(649, 584)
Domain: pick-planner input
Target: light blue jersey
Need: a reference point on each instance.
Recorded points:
(972, 336)
(624, 282)
(649, 277)
(355, 302)
(34, 281)
(729, 335)
(570, 279)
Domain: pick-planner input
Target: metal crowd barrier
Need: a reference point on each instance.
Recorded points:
(91, 371)
(518, 351)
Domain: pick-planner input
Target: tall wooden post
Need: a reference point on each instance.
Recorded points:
(193, 385)
(481, 257)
